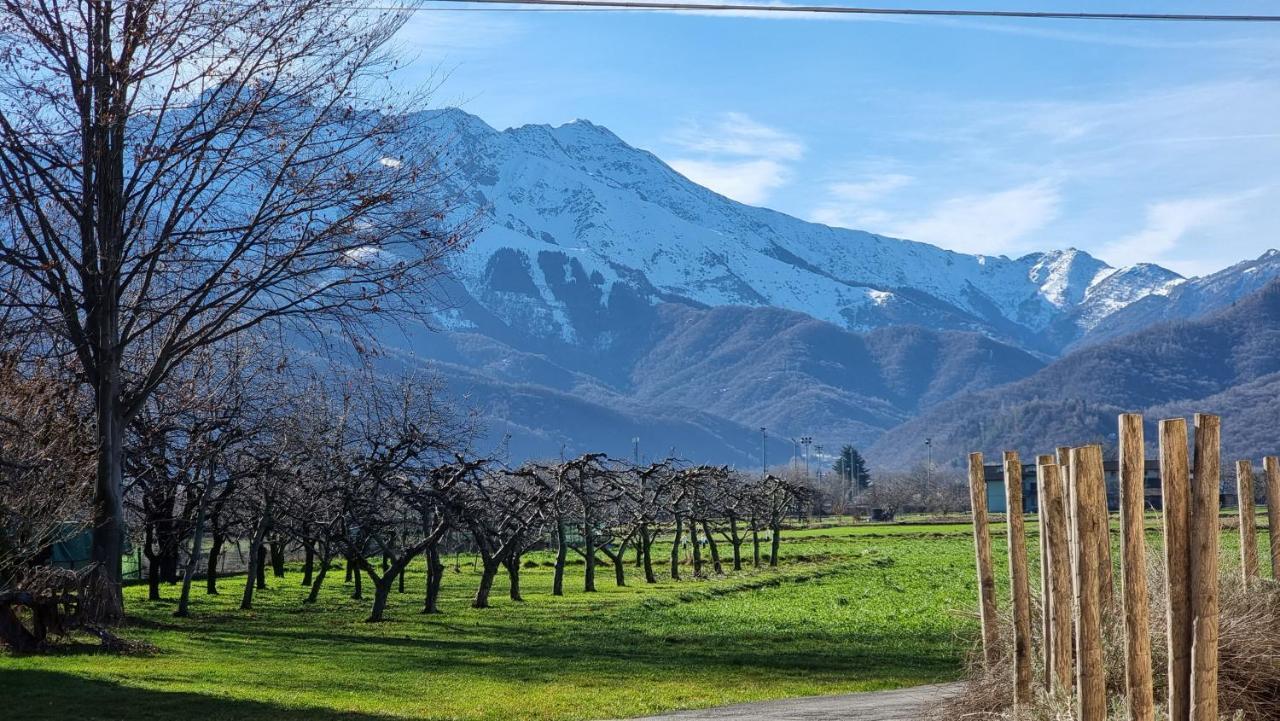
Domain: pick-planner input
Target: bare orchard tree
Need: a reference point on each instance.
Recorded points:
(505, 512)
(46, 472)
(648, 490)
(392, 435)
(173, 172)
(707, 488)
(595, 483)
(779, 497)
(733, 509)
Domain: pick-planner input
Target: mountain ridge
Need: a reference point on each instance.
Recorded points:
(609, 286)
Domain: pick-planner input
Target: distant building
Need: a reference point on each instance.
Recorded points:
(997, 502)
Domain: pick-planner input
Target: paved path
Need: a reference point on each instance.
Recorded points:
(907, 704)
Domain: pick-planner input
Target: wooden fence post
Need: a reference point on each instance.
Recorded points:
(1272, 466)
(1248, 523)
(1204, 569)
(1133, 569)
(1019, 580)
(1060, 629)
(1106, 573)
(1069, 501)
(1091, 682)
(1175, 487)
(1046, 570)
(982, 550)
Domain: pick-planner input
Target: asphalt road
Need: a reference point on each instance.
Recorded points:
(908, 704)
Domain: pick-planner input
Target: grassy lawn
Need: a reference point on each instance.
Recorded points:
(850, 609)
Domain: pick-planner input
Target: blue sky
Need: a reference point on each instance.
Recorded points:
(1151, 142)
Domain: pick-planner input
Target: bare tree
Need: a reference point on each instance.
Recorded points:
(46, 471)
(595, 483)
(173, 172)
(648, 490)
(503, 512)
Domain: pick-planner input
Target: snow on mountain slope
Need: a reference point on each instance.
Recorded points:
(1188, 300)
(572, 212)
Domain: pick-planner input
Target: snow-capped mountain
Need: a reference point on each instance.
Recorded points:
(607, 297)
(573, 213)
(1189, 300)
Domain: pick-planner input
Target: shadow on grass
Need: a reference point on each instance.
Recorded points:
(37, 695)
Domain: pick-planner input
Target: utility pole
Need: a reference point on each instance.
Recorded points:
(764, 452)
(806, 441)
(635, 448)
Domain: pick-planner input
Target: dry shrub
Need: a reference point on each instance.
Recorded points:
(1248, 660)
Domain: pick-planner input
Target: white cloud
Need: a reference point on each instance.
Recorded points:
(993, 224)
(739, 134)
(746, 181)
(1170, 223)
(850, 204)
(737, 156)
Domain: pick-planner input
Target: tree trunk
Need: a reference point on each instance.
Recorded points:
(481, 599)
(755, 544)
(715, 549)
(675, 552)
(255, 561)
(261, 567)
(109, 530)
(153, 564)
(309, 559)
(349, 563)
(435, 575)
(619, 569)
(646, 549)
(277, 559)
(193, 559)
(776, 541)
(381, 590)
(589, 554)
(736, 541)
(513, 573)
(319, 579)
(697, 549)
(358, 593)
(619, 561)
(211, 571)
(562, 550)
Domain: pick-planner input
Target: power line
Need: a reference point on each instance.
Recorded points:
(851, 10)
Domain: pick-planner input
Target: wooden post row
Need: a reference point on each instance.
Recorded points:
(982, 549)
(1248, 523)
(1019, 579)
(1271, 465)
(1090, 524)
(1133, 569)
(1054, 515)
(1175, 488)
(1204, 569)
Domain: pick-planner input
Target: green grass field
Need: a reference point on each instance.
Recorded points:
(850, 609)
